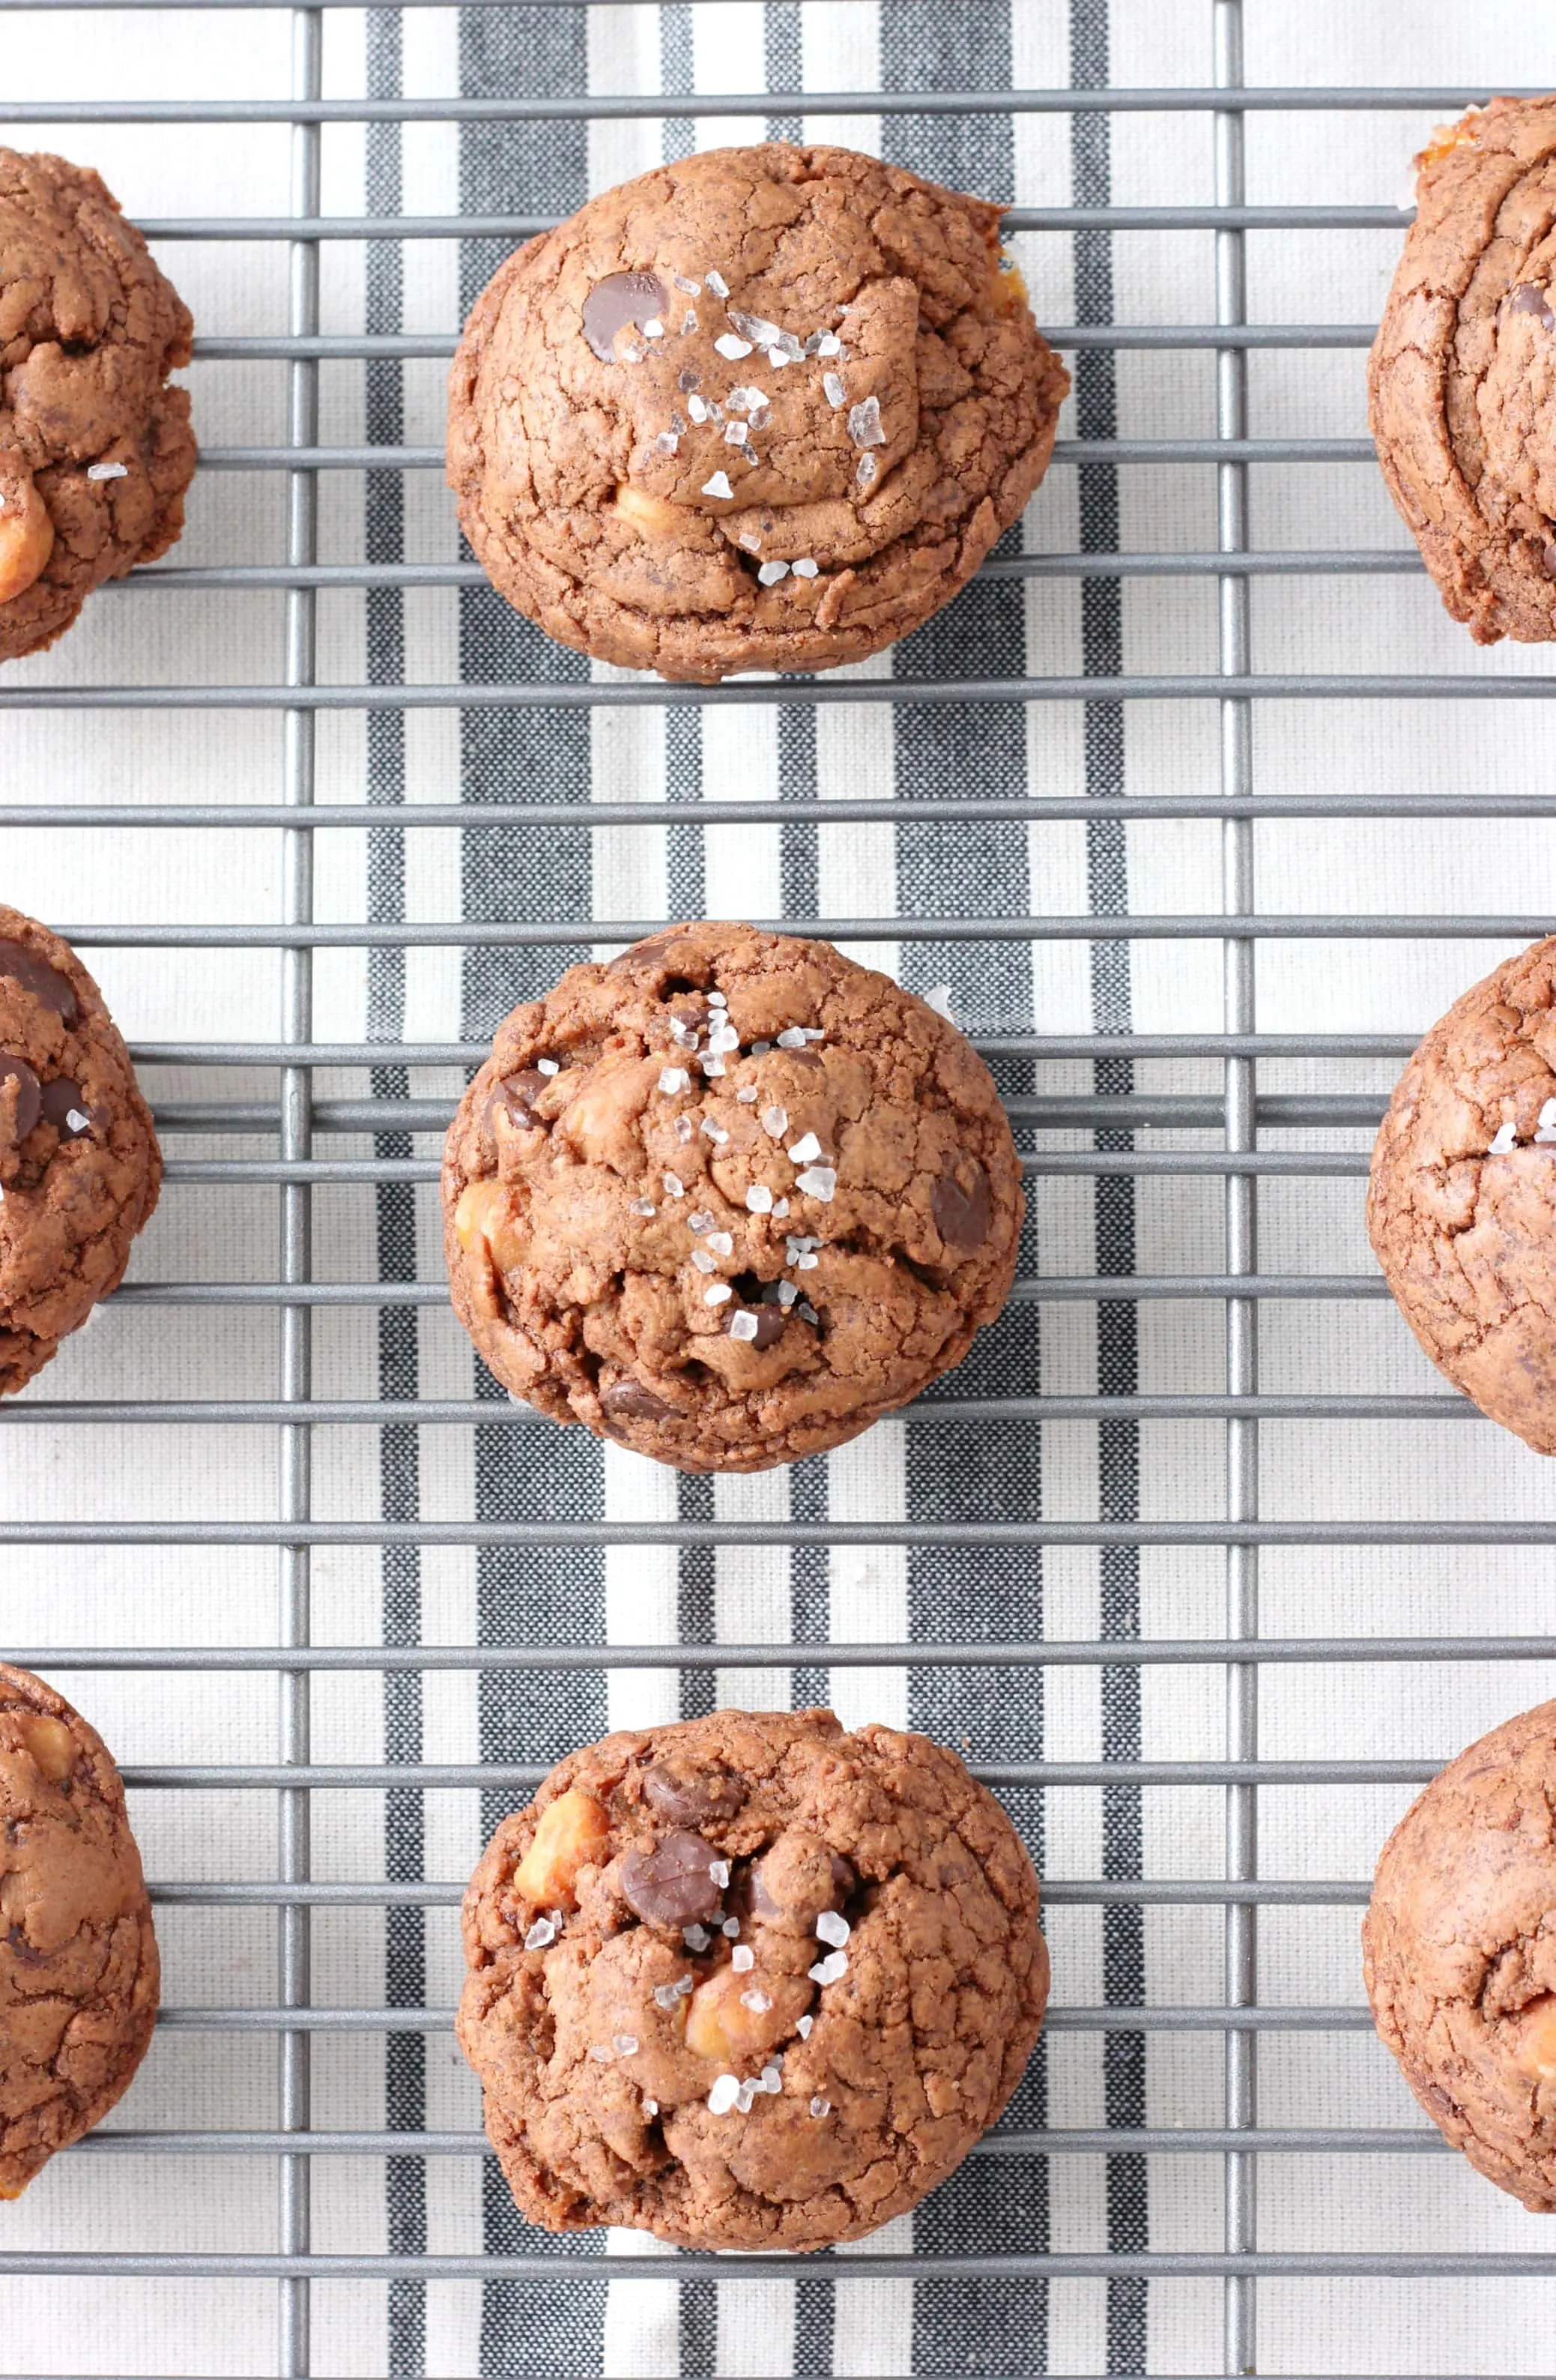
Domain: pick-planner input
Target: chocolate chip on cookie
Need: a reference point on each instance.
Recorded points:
(95, 447)
(79, 1166)
(79, 1975)
(749, 1197)
(761, 409)
(776, 2028)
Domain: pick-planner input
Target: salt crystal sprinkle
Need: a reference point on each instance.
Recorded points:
(736, 433)
(643, 1206)
(1506, 1139)
(602, 2050)
(803, 2027)
(829, 344)
(828, 1969)
(745, 2096)
(747, 1095)
(742, 1326)
(742, 1958)
(718, 999)
(697, 409)
(941, 1000)
(674, 1187)
(771, 572)
(723, 1036)
(803, 1150)
(730, 1927)
(723, 2095)
(108, 470)
(688, 322)
(774, 1122)
(818, 1181)
(721, 1243)
(714, 1131)
(541, 1933)
(818, 2106)
(666, 1995)
(750, 540)
(759, 1199)
(1545, 1130)
(654, 329)
(787, 1294)
(864, 422)
(714, 1067)
(696, 1938)
(667, 443)
(719, 1871)
(728, 344)
(703, 1261)
(650, 2107)
(793, 1036)
(701, 1220)
(688, 287)
(805, 567)
(833, 390)
(625, 2045)
(772, 2080)
(718, 283)
(808, 1314)
(832, 1928)
(719, 486)
(719, 1295)
(673, 1079)
(684, 1983)
(546, 1067)
(684, 1128)
(865, 474)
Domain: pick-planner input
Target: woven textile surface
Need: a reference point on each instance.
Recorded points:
(978, 1448)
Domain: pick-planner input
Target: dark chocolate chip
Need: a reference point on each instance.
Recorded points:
(22, 1950)
(44, 982)
(630, 1397)
(808, 1058)
(645, 954)
(673, 1884)
(961, 1211)
(1531, 297)
(770, 1320)
(29, 1098)
(60, 1101)
(620, 299)
(516, 1095)
(1548, 559)
(691, 1796)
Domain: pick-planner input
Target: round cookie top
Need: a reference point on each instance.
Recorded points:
(1463, 375)
(749, 1981)
(79, 1166)
(1460, 1206)
(95, 449)
(79, 1974)
(1461, 1956)
(764, 408)
(729, 1198)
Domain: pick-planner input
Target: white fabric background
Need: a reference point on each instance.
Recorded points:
(169, 1596)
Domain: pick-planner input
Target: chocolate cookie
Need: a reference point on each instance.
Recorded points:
(80, 1165)
(727, 1199)
(79, 1974)
(1462, 376)
(1462, 1208)
(95, 448)
(760, 410)
(749, 1982)
(1461, 1955)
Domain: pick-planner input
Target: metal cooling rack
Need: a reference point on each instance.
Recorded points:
(298, 1123)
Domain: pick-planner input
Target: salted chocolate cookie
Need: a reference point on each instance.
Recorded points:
(79, 1975)
(1461, 1954)
(1462, 376)
(80, 1165)
(1462, 1208)
(760, 410)
(95, 447)
(748, 1981)
(729, 1198)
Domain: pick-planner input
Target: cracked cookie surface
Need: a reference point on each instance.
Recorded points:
(95, 447)
(1462, 382)
(729, 1198)
(1462, 1203)
(764, 408)
(1460, 1950)
(80, 1165)
(79, 1974)
(749, 1981)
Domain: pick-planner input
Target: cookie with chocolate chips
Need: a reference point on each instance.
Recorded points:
(95, 446)
(749, 1981)
(80, 1165)
(78, 1976)
(764, 408)
(729, 1198)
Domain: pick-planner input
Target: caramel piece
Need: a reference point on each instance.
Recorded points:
(27, 534)
(573, 1832)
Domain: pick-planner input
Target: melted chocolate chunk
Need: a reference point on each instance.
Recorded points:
(516, 1095)
(630, 1398)
(620, 299)
(44, 982)
(1530, 297)
(692, 1796)
(645, 954)
(961, 1215)
(673, 1884)
(29, 1098)
(61, 1100)
(770, 1320)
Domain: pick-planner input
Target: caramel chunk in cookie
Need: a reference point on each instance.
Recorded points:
(95, 447)
(764, 408)
(729, 1198)
(78, 1976)
(79, 1166)
(777, 2029)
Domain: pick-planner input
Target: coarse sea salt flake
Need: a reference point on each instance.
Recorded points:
(650, 2107)
(829, 344)
(742, 1326)
(744, 2096)
(791, 1038)
(654, 328)
(772, 2080)
(803, 1150)
(540, 1934)
(864, 422)
(742, 1958)
(666, 1995)
(108, 470)
(722, 2097)
(714, 1131)
(667, 443)
(703, 1261)
(787, 1294)
(821, 2107)
(644, 1207)
(701, 1220)
(747, 1095)
(818, 1181)
(808, 1314)
(803, 2027)
(780, 1208)
(774, 1122)
(728, 344)
(673, 1079)
(546, 1067)
(719, 486)
(718, 283)
(602, 2050)
(1507, 1141)
(721, 1243)
(805, 567)
(833, 390)
(736, 433)
(719, 1295)
(684, 1128)
(625, 2045)
(750, 540)
(828, 1969)
(832, 1928)
(723, 1036)
(684, 283)
(696, 1938)
(865, 474)
(697, 407)
(759, 1199)
(730, 1927)
(674, 1187)
(713, 1065)
(719, 1871)
(757, 2002)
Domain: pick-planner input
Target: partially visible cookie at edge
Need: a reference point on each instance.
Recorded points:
(80, 1165)
(79, 1970)
(96, 450)
(729, 1198)
(749, 1981)
(762, 408)
(1462, 382)
(1462, 1202)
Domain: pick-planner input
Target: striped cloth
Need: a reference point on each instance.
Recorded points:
(936, 1467)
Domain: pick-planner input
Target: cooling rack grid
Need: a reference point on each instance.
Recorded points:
(1185, 1139)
